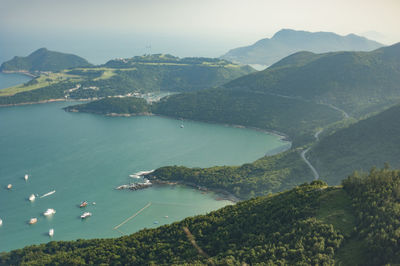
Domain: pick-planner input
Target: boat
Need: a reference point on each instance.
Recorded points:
(32, 197)
(83, 204)
(182, 126)
(33, 221)
(48, 194)
(49, 212)
(26, 177)
(86, 215)
(51, 232)
(9, 186)
(1, 222)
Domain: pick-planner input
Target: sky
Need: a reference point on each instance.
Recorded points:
(188, 27)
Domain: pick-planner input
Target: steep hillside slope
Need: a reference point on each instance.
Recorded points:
(369, 142)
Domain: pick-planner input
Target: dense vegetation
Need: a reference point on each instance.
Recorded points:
(266, 175)
(44, 60)
(279, 229)
(376, 201)
(372, 141)
(286, 42)
(113, 105)
(296, 118)
(358, 82)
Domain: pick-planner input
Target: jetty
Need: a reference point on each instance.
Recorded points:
(131, 217)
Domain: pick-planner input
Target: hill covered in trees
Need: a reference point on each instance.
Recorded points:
(44, 60)
(310, 224)
(114, 105)
(357, 82)
(372, 141)
(286, 41)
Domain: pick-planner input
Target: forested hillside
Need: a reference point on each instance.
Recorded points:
(357, 82)
(369, 142)
(310, 224)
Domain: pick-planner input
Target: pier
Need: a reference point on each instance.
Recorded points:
(131, 217)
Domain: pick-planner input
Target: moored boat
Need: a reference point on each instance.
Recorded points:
(32, 197)
(86, 215)
(9, 186)
(51, 232)
(49, 212)
(33, 221)
(26, 177)
(1, 222)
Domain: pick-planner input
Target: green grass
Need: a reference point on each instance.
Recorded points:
(352, 252)
(42, 81)
(335, 208)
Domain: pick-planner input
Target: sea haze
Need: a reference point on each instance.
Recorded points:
(85, 156)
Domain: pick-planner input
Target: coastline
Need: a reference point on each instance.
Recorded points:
(22, 72)
(226, 195)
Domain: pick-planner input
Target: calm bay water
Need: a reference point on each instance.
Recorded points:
(85, 156)
(9, 80)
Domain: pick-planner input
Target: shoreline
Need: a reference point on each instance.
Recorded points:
(22, 72)
(226, 195)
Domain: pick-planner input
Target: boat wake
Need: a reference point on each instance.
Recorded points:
(48, 194)
(141, 174)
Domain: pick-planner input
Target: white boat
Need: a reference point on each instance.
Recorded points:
(1, 222)
(51, 232)
(9, 186)
(86, 215)
(32, 197)
(49, 212)
(33, 221)
(182, 126)
(26, 177)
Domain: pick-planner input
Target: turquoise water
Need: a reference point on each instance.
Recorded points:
(9, 80)
(85, 156)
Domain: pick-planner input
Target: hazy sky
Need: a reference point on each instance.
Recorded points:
(232, 22)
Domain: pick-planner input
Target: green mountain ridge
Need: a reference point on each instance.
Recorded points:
(44, 60)
(310, 224)
(358, 82)
(372, 141)
(287, 41)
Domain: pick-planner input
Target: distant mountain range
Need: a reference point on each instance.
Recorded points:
(286, 41)
(44, 60)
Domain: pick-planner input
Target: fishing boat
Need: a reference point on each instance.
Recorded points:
(86, 215)
(9, 186)
(33, 221)
(49, 212)
(26, 177)
(83, 204)
(51, 232)
(32, 197)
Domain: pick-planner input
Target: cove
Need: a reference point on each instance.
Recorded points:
(85, 156)
(11, 79)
